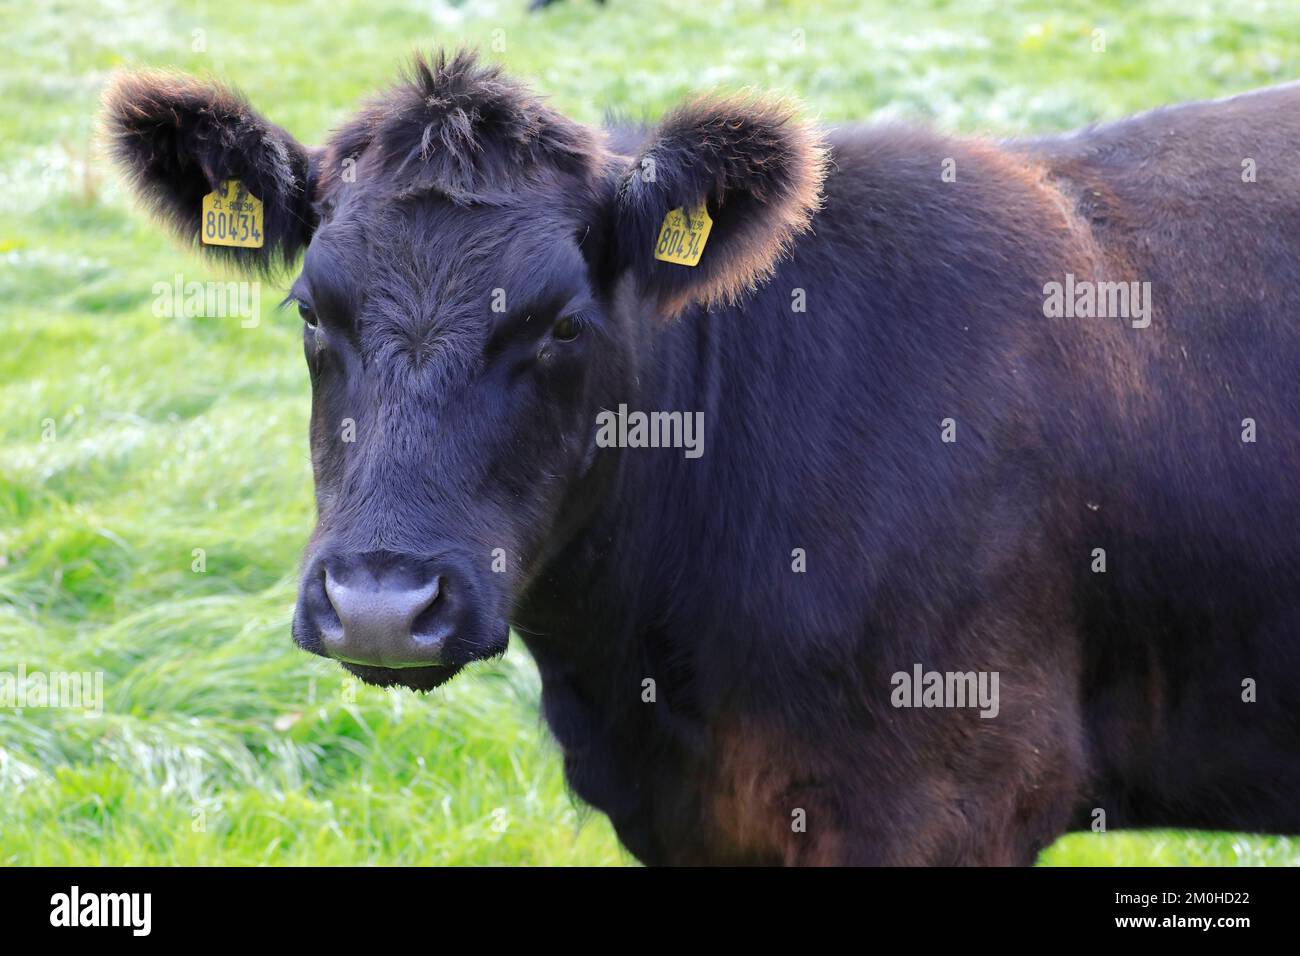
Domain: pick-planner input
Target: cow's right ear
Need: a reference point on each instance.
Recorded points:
(177, 140)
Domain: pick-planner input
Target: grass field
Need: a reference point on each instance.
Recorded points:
(128, 441)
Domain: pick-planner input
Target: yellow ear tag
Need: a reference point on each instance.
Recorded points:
(682, 242)
(232, 216)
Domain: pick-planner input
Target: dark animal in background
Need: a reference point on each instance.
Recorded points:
(913, 462)
(535, 5)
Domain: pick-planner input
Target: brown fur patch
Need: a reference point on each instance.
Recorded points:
(767, 799)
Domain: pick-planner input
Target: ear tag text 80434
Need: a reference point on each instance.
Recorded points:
(682, 238)
(232, 216)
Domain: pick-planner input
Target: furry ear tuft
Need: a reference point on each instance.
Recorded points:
(760, 171)
(176, 139)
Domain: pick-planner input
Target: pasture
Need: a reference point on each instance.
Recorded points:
(155, 488)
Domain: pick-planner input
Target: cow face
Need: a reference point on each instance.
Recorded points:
(479, 278)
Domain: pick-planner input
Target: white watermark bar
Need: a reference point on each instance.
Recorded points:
(56, 690)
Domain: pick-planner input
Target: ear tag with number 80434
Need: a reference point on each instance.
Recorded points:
(681, 240)
(232, 216)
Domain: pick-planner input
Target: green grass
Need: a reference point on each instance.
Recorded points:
(219, 742)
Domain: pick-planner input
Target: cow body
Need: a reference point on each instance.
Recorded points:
(925, 451)
(1121, 690)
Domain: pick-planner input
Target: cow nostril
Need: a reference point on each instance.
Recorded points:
(430, 626)
(437, 586)
(327, 615)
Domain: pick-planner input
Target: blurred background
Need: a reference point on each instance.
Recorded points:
(155, 488)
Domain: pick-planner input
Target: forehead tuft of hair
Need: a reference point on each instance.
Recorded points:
(459, 127)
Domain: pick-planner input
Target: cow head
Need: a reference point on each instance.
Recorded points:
(477, 271)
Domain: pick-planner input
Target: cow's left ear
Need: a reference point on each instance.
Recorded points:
(755, 167)
(178, 139)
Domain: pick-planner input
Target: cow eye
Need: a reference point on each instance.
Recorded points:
(566, 330)
(308, 314)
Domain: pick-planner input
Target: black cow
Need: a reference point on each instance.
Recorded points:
(991, 530)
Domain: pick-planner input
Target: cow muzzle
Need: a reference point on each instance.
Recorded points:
(397, 618)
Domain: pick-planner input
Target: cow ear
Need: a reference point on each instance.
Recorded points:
(755, 167)
(177, 140)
